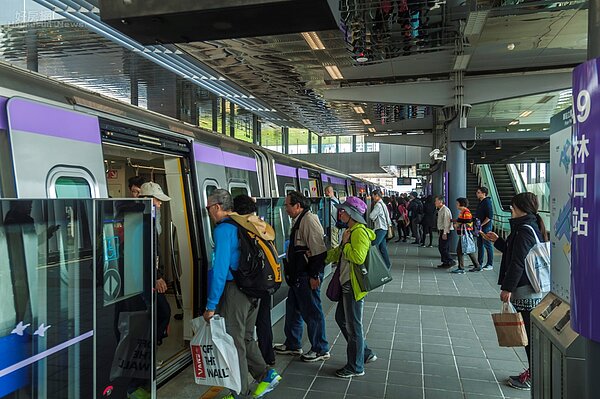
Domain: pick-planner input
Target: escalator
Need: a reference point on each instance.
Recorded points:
(472, 185)
(504, 185)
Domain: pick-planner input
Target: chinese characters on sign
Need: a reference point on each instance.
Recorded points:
(585, 235)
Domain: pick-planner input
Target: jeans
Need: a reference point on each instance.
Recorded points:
(264, 330)
(348, 316)
(487, 245)
(444, 248)
(416, 229)
(304, 303)
(381, 243)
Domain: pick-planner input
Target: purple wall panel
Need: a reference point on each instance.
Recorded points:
(29, 116)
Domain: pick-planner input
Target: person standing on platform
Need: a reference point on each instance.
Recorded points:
(428, 221)
(415, 215)
(226, 299)
(381, 222)
(464, 222)
(304, 270)
(349, 312)
(485, 214)
(335, 231)
(444, 226)
(245, 208)
(525, 225)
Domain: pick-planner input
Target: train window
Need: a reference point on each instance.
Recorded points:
(71, 182)
(72, 187)
(306, 192)
(209, 187)
(238, 189)
(289, 188)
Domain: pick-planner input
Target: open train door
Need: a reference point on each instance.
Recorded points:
(41, 137)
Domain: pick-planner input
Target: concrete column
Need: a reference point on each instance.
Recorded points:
(31, 44)
(457, 171)
(309, 141)
(255, 130)
(437, 179)
(215, 113)
(285, 138)
(353, 143)
(319, 150)
(337, 144)
(232, 119)
(223, 116)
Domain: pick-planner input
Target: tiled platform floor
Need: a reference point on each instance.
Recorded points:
(432, 332)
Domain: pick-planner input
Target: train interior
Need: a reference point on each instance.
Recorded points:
(173, 238)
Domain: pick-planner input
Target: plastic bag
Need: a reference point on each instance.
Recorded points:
(133, 357)
(214, 354)
(467, 241)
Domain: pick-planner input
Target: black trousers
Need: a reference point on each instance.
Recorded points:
(444, 248)
(264, 331)
(427, 230)
(163, 316)
(527, 320)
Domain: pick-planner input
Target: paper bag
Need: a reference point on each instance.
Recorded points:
(510, 327)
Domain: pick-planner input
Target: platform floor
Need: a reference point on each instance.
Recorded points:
(432, 332)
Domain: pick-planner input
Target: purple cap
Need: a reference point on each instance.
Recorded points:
(357, 203)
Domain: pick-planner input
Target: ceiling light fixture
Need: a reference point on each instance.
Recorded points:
(475, 22)
(512, 123)
(372, 130)
(461, 62)
(525, 114)
(358, 110)
(366, 121)
(313, 40)
(510, 47)
(498, 144)
(334, 72)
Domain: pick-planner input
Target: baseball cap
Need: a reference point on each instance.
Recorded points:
(152, 189)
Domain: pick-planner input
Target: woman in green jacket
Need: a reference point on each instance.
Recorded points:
(353, 249)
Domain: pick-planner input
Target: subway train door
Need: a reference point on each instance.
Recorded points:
(55, 152)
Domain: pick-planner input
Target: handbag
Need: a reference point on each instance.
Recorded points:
(334, 289)
(374, 272)
(390, 233)
(214, 355)
(467, 242)
(510, 327)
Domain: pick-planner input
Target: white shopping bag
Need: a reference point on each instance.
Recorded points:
(214, 354)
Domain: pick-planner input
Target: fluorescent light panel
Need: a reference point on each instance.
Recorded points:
(372, 130)
(334, 72)
(512, 123)
(366, 121)
(525, 114)
(359, 110)
(313, 40)
(461, 62)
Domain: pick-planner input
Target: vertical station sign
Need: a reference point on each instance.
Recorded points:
(585, 190)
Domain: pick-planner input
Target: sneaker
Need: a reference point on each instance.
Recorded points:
(345, 373)
(475, 269)
(268, 383)
(284, 350)
(372, 357)
(523, 381)
(422, 245)
(488, 267)
(430, 246)
(458, 270)
(230, 396)
(313, 356)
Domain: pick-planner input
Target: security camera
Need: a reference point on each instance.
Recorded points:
(434, 153)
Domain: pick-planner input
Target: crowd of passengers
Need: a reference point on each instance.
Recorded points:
(356, 229)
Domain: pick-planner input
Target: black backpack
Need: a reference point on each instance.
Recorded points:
(259, 272)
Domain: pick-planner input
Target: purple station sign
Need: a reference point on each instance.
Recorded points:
(585, 191)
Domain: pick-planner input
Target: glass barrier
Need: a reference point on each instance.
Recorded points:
(73, 273)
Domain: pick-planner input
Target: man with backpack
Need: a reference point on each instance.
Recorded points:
(225, 298)
(304, 268)
(415, 214)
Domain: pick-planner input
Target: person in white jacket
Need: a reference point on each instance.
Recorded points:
(381, 223)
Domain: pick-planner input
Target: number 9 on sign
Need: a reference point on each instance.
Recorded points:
(584, 105)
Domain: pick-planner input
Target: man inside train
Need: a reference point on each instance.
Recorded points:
(304, 268)
(226, 299)
(163, 309)
(135, 184)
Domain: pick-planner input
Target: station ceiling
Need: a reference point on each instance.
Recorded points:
(287, 75)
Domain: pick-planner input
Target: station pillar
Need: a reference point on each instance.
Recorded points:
(456, 164)
(593, 347)
(437, 181)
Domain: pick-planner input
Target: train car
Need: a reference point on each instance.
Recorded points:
(63, 142)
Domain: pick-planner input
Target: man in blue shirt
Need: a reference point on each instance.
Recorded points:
(224, 298)
(485, 214)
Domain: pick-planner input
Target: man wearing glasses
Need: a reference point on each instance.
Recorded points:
(225, 298)
(304, 265)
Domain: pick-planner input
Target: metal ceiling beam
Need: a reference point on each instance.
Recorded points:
(417, 140)
(478, 89)
(471, 134)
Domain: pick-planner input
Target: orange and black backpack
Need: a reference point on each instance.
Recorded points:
(259, 272)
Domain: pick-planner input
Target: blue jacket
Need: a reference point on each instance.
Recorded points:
(226, 257)
(485, 210)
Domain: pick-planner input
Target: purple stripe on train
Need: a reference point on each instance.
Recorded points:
(3, 117)
(337, 180)
(32, 117)
(284, 170)
(214, 156)
(303, 174)
(324, 177)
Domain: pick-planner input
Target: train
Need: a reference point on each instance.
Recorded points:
(59, 141)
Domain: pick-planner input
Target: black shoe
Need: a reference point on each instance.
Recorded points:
(417, 243)
(444, 266)
(475, 269)
(404, 240)
(397, 240)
